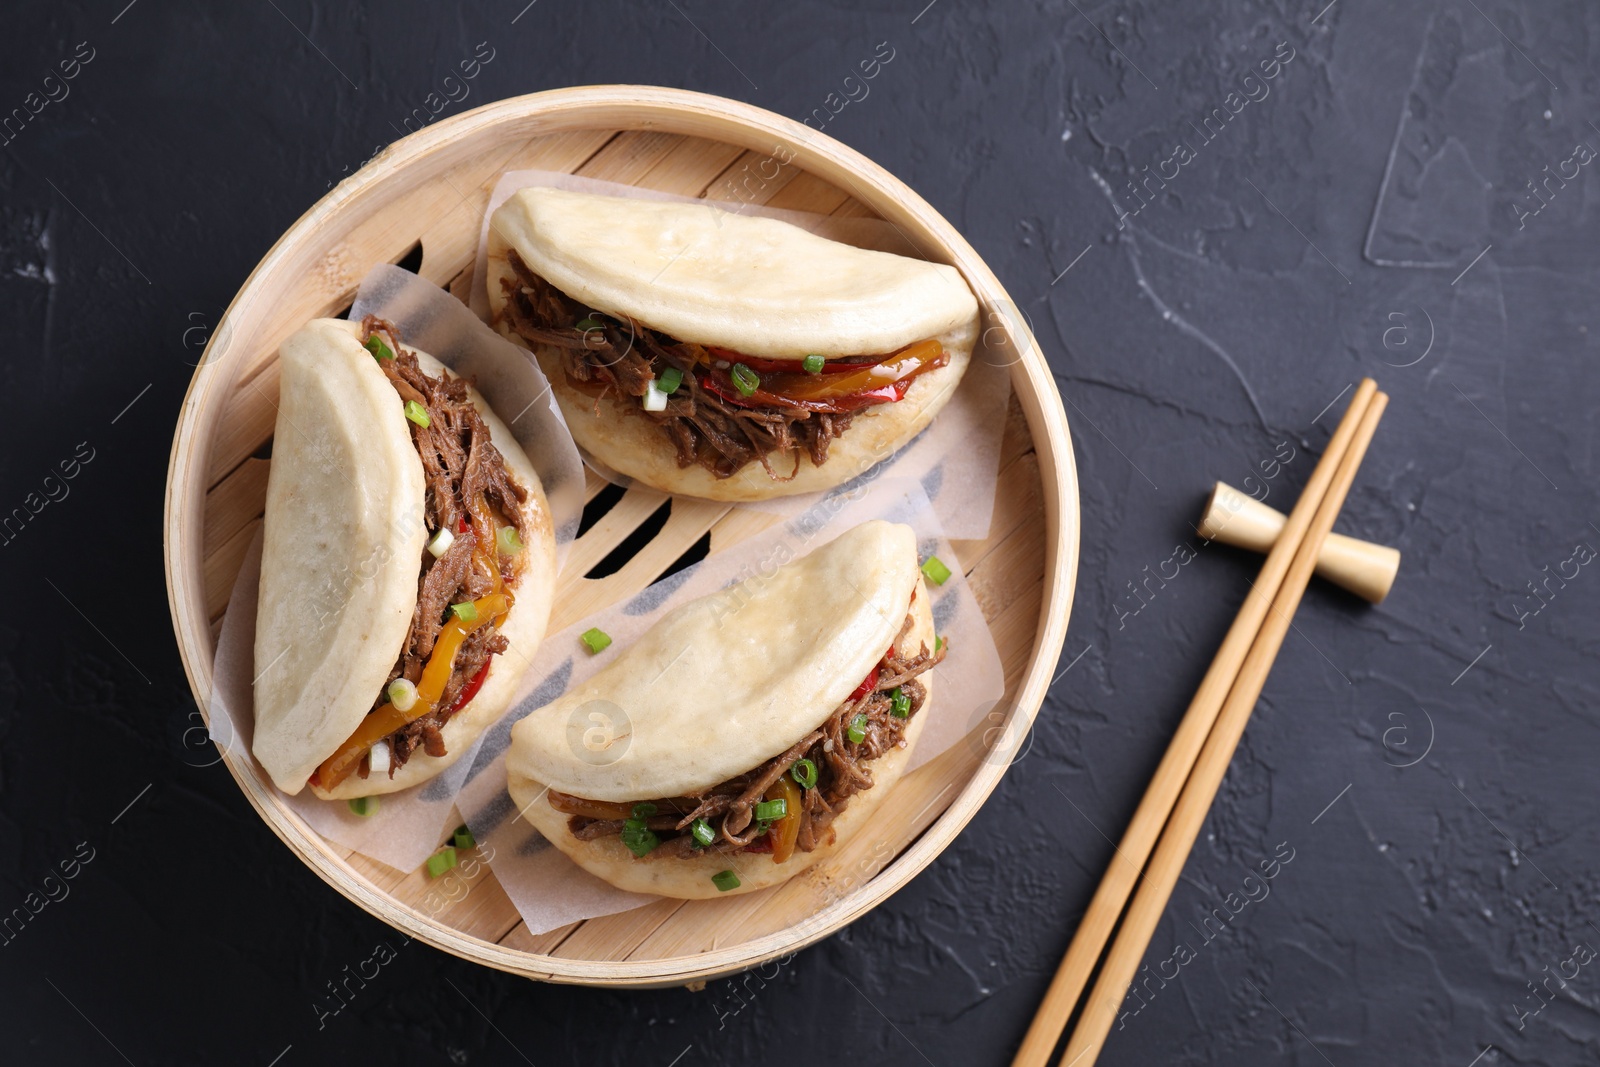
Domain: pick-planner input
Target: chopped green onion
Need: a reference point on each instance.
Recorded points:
(935, 571)
(762, 826)
(669, 380)
(938, 644)
(379, 350)
(746, 379)
(804, 772)
(417, 414)
(702, 833)
(857, 731)
(899, 704)
(638, 838)
(364, 806)
(640, 842)
(463, 838)
(772, 810)
(507, 542)
(654, 399)
(725, 880)
(402, 694)
(441, 542)
(379, 760)
(590, 323)
(466, 611)
(813, 363)
(441, 861)
(596, 640)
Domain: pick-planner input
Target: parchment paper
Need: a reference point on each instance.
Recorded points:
(956, 458)
(409, 825)
(550, 890)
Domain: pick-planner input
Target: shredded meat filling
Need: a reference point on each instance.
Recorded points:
(617, 360)
(842, 771)
(459, 463)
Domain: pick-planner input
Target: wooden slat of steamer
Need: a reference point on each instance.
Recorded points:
(222, 567)
(581, 597)
(617, 937)
(592, 484)
(807, 192)
(1016, 495)
(744, 181)
(475, 905)
(248, 415)
(691, 165)
(1014, 627)
(739, 524)
(636, 505)
(234, 502)
(628, 156)
(543, 944)
(855, 209)
(460, 286)
(561, 152)
(1000, 579)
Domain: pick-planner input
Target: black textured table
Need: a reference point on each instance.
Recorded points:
(1217, 217)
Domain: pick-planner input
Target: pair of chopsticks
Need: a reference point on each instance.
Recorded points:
(1175, 805)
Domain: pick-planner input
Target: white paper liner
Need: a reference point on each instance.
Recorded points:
(550, 890)
(409, 825)
(956, 458)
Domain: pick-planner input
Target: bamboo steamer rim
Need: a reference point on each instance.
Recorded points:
(674, 111)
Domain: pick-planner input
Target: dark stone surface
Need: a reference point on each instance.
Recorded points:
(1311, 235)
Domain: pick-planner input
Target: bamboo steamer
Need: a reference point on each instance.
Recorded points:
(432, 188)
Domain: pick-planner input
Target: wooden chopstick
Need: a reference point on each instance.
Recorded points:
(1146, 825)
(1195, 801)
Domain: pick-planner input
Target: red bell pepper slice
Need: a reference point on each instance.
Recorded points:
(867, 685)
(472, 687)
